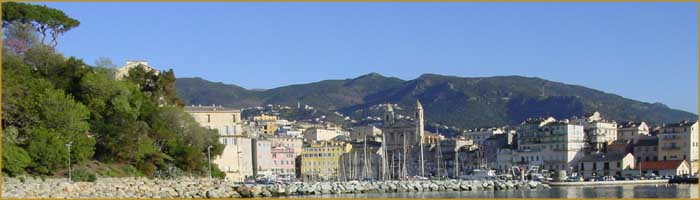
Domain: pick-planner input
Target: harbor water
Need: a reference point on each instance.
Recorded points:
(612, 191)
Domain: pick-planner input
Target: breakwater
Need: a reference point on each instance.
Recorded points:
(204, 188)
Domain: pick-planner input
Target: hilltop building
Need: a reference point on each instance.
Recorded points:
(123, 71)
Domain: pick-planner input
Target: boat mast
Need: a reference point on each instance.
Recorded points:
(364, 158)
(439, 156)
(457, 163)
(404, 171)
(384, 161)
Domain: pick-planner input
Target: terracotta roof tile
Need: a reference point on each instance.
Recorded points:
(660, 165)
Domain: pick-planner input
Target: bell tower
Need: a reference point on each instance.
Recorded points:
(419, 134)
(389, 115)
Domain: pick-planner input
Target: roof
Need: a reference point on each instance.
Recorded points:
(685, 123)
(212, 108)
(629, 124)
(660, 165)
(603, 157)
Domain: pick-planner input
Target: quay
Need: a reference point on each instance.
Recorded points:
(596, 183)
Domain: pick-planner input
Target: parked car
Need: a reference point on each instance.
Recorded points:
(607, 178)
(575, 179)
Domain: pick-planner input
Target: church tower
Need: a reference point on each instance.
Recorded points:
(389, 115)
(419, 133)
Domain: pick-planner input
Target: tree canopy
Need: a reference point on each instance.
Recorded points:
(49, 101)
(45, 20)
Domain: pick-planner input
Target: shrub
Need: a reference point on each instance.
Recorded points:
(82, 175)
(14, 160)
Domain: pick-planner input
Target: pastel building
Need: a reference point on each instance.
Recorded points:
(552, 145)
(320, 161)
(262, 158)
(283, 163)
(632, 131)
(679, 141)
(605, 164)
(599, 132)
(237, 157)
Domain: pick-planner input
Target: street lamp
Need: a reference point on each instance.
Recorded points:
(70, 175)
(209, 156)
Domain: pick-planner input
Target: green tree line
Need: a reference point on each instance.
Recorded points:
(50, 100)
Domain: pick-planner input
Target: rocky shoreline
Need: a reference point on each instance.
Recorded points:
(204, 188)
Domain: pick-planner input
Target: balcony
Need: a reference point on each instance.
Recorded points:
(671, 148)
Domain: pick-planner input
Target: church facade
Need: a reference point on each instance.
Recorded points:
(405, 144)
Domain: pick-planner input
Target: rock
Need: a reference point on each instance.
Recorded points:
(434, 187)
(216, 193)
(465, 186)
(265, 193)
(245, 191)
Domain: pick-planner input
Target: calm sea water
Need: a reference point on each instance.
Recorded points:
(622, 191)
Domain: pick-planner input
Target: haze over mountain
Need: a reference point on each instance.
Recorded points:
(463, 102)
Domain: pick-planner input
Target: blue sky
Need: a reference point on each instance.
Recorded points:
(642, 51)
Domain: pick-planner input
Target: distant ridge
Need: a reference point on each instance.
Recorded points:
(448, 100)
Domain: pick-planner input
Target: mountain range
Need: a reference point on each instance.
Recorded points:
(462, 102)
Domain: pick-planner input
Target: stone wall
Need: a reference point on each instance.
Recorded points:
(204, 188)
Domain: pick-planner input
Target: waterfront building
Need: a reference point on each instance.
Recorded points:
(665, 168)
(320, 161)
(236, 158)
(631, 131)
(552, 145)
(679, 141)
(447, 156)
(283, 162)
(405, 143)
(646, 148)
(504, 159)
(491, 146)
(297, 144)
(605, 164)
(262, 158)
(599, 131)
(226, 121)
(471, 158)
